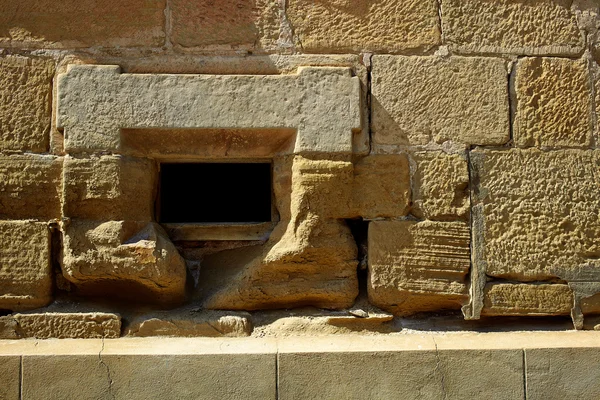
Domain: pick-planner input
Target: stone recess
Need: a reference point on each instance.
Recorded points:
(441, 181)
(553, 103)
(527, 299)
(227, 24)
(417, 100)
(109, 188)
(25, 271)
(60, 326)
(124, 259)
(535, 214)
(418, 266)
(354, 26)
(30, 187)
(25, 90)
(532, 27)
(95, 102)
(71, 23)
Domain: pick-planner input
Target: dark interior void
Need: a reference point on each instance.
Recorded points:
(215, 192)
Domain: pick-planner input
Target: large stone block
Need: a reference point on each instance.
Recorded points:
(441, 186)
(553, 106)
(72, 23)
(60, 326)
(11, 377)
(417, 100)
(134, 260)
(25, 272)
(239, 24)
(527, 299)
(418, 266)
(354, 26)
(25, 90)
(533, 27)
(30, 187)
(109, 188)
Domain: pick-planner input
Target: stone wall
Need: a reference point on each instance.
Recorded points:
(427, 157)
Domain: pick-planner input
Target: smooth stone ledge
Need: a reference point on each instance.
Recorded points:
(532, 365)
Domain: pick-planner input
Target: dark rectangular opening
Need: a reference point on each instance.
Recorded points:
(215, 193)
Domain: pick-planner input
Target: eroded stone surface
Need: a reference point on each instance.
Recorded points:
(511, 26)
(361, 25)
(123, 259)
(527, 299)
(25, 89)
(418, 266)
(553, 103)
(71, 23)
(25, 272)
(61, 326)
(109, 188)
(94, 102)
(417, 100)
(441, 181)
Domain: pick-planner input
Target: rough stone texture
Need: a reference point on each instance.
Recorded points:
(353, 26)
(532, 27)
(94, 102)
(441, 181)
(76, 23)
(30, 187)
(25, 273)
(418, 266)
(25, 89)
(596, 78)
(109, 188)
(11, 378)
(417, 100)
(553, 103)
(244, 24)
(381, 186)
(193, 323)
(124, 259)
(60, 326)
(525, 299)
(310, 257)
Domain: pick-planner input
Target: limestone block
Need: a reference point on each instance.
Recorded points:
(441, 181)
(553, 103)
(193, 323)
(95, 102)
(25, 272)
(596, 78)
(532, 27)
(417, 100)
(360, 25)
(381, 186)
(123, 259)
(418, 266)
(71, 23)
(109, 188)
(62, 326)
(30, 187)
(235, 24)
(11, 377)
(527, 299)
(25, 90)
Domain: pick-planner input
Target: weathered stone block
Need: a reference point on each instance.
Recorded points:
(30, 187)
(418, 266)
(553, 103)
(11, 377)
(532, 27)
(109, 188)
(232, 24)
(70, 23)
(441, 181)
(354, 26)
(527, 299)
(25, 90)
(61, 326)
(381, 186)
(417, 100)
(123, 259)
(25, 272)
